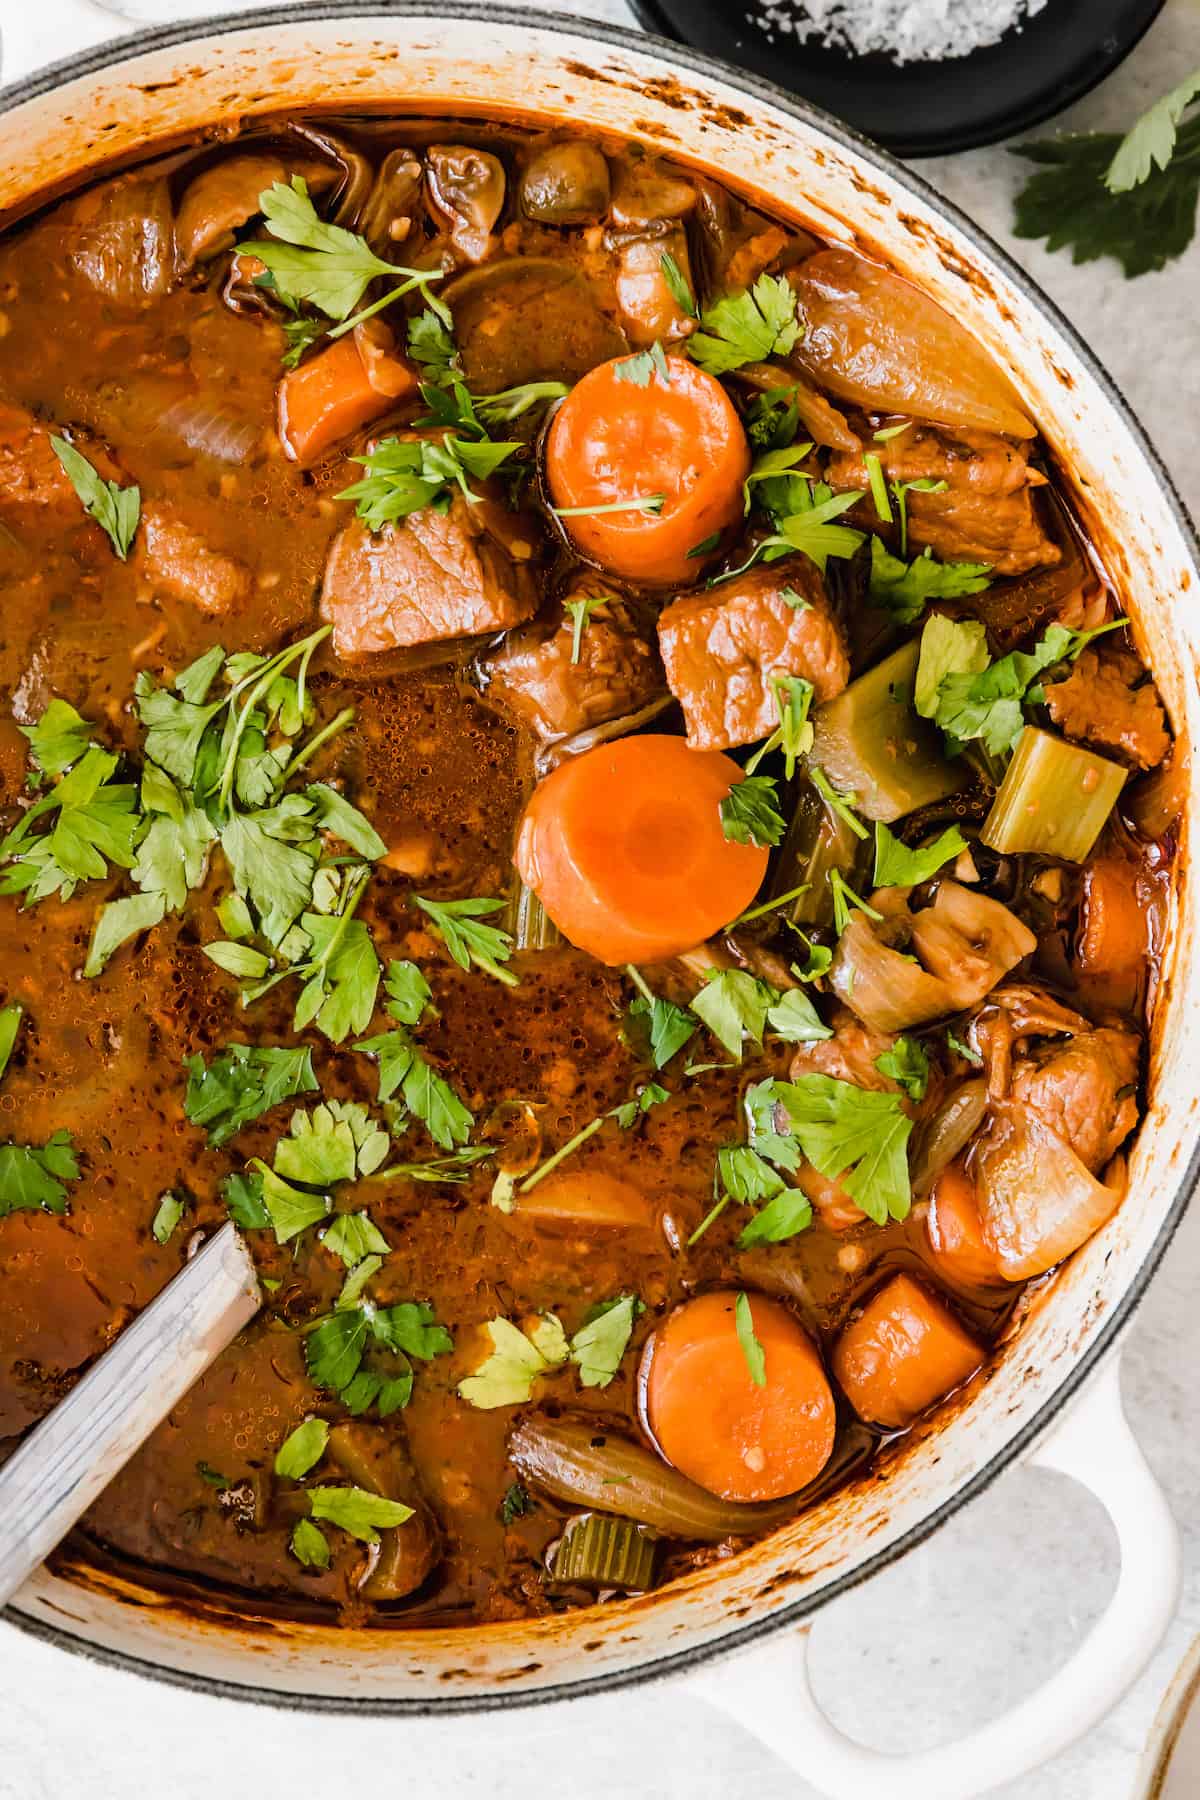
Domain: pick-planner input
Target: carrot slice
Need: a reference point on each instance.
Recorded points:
(625, 850)
(956, 1238)
(329, 397)
(676, 436)
(578, 1200)
(1114, 932)
(903, 1352)
(710, 1418)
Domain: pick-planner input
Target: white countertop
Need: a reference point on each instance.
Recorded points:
(946, 1639)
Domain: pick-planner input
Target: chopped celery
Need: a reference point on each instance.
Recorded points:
(819, 840)
(605, 1552)
(531, 926)
(871, 742)
(1054, 799)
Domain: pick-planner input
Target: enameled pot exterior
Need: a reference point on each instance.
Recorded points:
(109, 105)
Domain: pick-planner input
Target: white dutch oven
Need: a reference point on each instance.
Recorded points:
(112, 102)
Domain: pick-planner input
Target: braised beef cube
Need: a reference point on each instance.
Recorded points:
(1108, 701)
(534, 673)
(31, 476)
(723, 648)
(985, 514)
(434, 577)
(175, 560)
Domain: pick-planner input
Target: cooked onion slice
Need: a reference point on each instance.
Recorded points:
(1037, 1201)
(585, 1465)
(888, 991)
(948, 1132)
(969, 942)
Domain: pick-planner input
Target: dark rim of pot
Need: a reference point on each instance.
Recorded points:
(676, 1662)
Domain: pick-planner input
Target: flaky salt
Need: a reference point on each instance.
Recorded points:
(905, 30)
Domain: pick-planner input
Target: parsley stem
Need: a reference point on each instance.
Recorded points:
(635, 975)
(560, 1155)
(319, 739)
(758, 912)
(710, 1218)
(377, 306)
(647, 503)
(258, 681)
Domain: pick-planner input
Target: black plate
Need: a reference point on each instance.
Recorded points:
(925, 108)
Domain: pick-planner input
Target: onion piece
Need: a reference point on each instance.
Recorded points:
(874, 338)
(948, 1132)
(888, 991)
(1157, 801)
(969, 942)
(1037, 1201)
(550, 755)
(582, 1198)
(585, 1465)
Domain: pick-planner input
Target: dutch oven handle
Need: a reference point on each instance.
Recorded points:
(768, 1691)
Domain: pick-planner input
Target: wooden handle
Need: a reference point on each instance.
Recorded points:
(77, 1449)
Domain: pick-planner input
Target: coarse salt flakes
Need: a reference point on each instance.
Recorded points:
(904, 30)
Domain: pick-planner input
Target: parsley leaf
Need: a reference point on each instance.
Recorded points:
(291, 1210)
(677, 285)
(639, 369)
(580, 612)
(117, 922)
(850, 1135)
(734, 1006)
(793, 736)
(459, 925)
(1132, 198)
(243, 1196)
(34, 1177)
(116, 509)
(905, 589)
(334, 1142)
(302, 1450)
(341, 978)
(747, 327)
(309, 1545)
(948, 647)
(515, 1504)
(750, 814)
(752, 1350)
(10, 1025)
(314, 261)
(355, 1238)
(335, 1350)
(356, 1512)
(517, 1359)
(907, 1064)
(663, 1027)
(405, 476)
(59, 738)
(243, 1082)
(783, 1217)
(409, 995)
(602, 1340)
(426, 1094)
(94, 822)
(987, 704)
(167, 1215)
(898, 866)
(431, 345)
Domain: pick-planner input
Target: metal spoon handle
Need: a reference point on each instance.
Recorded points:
(77, 1449)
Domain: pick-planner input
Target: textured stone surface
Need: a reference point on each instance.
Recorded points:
(960, 1629)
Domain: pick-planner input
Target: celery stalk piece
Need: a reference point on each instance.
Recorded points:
(1054, 799)
(605, 1552)
(531, 926)
(871, 742)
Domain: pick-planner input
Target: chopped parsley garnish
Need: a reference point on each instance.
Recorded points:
(519, 1357)
(878, 486)
(747, 327)
(337, 1350)
(643, 503)
(432, 345)
(959, 1048)
(656, 1025)
(750, 813)
(336, 1141)
(603, 1338)
(360, 1514)
(677, 285)
(302, 1450)
(639, 369)
(354, 1237)
(967, 697)
(905, 589)
(93, 822)
(325, 265)
(33, 1178)
(846, 900)
(10, 1025)
(580, 612)
(840, 803)
(241, 1083)
(167, 1215)
(752, 1350)
(59, 738)
(459, 924)
(906, 1064)
(898, 866)
(517, 1502)
(406, 475)
(737, 1006)
(116, 509)
(793, 736)
(405, 1069)
(849, 1134)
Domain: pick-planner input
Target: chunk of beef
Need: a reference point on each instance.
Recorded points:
(532, 674)
(1084, 1090)
(31, 476)
(436, 576)
(175, 560)
(1109, 702)
(985, 514)
(723, 647)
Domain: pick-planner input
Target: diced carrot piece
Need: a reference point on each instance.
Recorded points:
(1113, 932)
(904, 1352)
(956, 1238)
(329, 397)
(710, 1418)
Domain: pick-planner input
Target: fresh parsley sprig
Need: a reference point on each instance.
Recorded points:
(747, 327)
(325, 265)
(115, 508)
(404, 476)
(460, 925)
